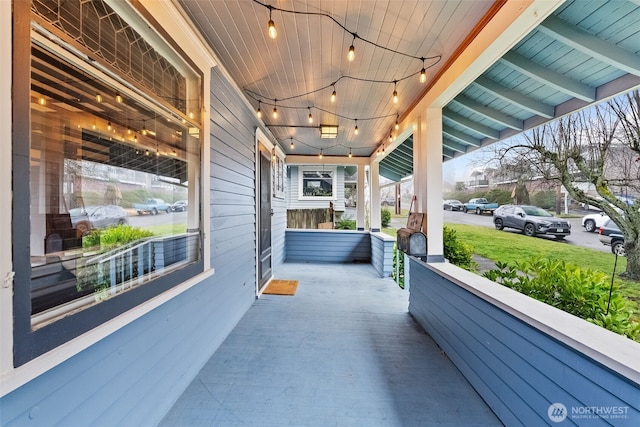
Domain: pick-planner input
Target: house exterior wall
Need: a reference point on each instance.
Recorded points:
(135, 371)
(519, 368)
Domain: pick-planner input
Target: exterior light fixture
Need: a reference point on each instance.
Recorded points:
(328, 131)
(395, 92)
(273, 33)
(423, 73)
(351, 55)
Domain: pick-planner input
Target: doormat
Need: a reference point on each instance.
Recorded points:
(281, 287)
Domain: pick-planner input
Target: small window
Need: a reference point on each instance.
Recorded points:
(278, 176)
(318, 183)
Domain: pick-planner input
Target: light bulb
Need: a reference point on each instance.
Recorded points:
(118, 98)
(423, 75)
(320, 155)
(350, 155)
(273, 33)
(395, 96)
(144, 131)
(146, 153)
(109, 126)
(128, 130)
(292, 146)
(275, 113)
(191, 114)
(42, 101)
(98, 97)
(333, 96)
(356, 130)
(310, 116)
(259, 112)
(352, 53)
(397, 125)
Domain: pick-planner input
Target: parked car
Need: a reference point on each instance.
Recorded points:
(388, 201)
(479, 206)
(531, 220)
(592, 222)
(92, 217)
(179, 206)
(452, 205)
(610, 235)
(152, 206)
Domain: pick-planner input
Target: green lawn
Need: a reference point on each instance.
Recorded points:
(509, 247)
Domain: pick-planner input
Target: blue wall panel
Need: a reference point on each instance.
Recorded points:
(382, 253)
(133, 376)
(328, 246)
(519, 370)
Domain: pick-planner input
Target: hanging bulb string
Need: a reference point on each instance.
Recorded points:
(353, 33)
(256, 95)
(327, 147)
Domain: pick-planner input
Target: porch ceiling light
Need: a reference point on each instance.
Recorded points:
(328, 131)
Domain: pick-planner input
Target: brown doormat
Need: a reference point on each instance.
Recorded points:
(281, 287)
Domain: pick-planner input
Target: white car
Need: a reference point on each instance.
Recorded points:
(592, 222)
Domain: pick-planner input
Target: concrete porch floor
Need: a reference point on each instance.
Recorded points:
(343, 351)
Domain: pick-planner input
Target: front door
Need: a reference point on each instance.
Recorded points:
(264, 248)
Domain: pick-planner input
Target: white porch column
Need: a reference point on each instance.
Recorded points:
(434, 185)
(374, 185)
(360, 205)
(427, 178)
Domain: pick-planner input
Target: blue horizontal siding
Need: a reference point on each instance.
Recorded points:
(518, 370)
(327, 246)
(382, 253)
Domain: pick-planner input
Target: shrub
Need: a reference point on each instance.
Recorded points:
(544, 199)
(114, 236)
(385, 217)
(457, 252)
(346, 224)
(581, 292)
(398, 257)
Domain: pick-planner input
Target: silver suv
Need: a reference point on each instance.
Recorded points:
(531, 220)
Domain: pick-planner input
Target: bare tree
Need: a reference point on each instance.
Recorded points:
(599, 146)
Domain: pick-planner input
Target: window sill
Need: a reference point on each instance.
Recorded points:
(17, 377)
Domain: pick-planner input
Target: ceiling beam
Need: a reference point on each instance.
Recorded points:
(455, 146)
(471, 125)
(488, 112)
(591, 45)
(460, 136)
(548, 77)
(523, 101)
(447, 153)
(389, 174)
(396, 168)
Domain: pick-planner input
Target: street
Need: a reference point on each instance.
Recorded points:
(578, 237)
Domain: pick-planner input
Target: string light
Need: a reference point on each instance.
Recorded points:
(350, 155)
(275, 110)
(109, 125)
(98, 97)
(423, 72)
(333, 94)
(351, 55)
(320, 155)
(42, 101)
(118, 98)
(273, 33)
(128, 130)
(397, 124)
(310, 116)
(144, 128)
(395, 92)
(259, 111)
(273, 154)
(292, 146)
(146, 153)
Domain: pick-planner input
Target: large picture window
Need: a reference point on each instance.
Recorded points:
(112, 168)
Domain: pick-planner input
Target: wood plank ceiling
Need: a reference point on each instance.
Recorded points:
(586, 51)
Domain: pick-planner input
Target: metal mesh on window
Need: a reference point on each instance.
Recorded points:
(94, 25)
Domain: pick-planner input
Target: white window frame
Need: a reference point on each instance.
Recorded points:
(334, 181)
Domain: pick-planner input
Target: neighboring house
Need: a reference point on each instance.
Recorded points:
(313, 187)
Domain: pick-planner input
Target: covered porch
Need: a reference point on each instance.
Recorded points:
(342, 351)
